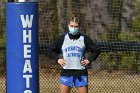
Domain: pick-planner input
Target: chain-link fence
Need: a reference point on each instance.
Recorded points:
(2, 48)
(113, 24)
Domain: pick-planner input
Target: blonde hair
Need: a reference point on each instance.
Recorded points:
(74, 18)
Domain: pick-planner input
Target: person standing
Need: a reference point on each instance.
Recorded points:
(73, 45)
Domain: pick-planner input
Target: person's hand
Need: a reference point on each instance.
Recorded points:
(62, 62)
(85, 62)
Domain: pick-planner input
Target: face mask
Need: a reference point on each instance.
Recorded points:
(73, 30)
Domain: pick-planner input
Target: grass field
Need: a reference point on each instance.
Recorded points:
(99, 82)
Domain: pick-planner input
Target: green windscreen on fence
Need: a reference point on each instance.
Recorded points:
(114, 25)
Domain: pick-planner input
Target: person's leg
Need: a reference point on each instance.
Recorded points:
(64, 89)
(82, 89)
(81, 82)
(66, 82)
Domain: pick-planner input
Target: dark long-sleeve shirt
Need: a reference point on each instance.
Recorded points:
(55, 49)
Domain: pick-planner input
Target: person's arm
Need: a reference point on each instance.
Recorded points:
(55, 48)
(92, 47)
